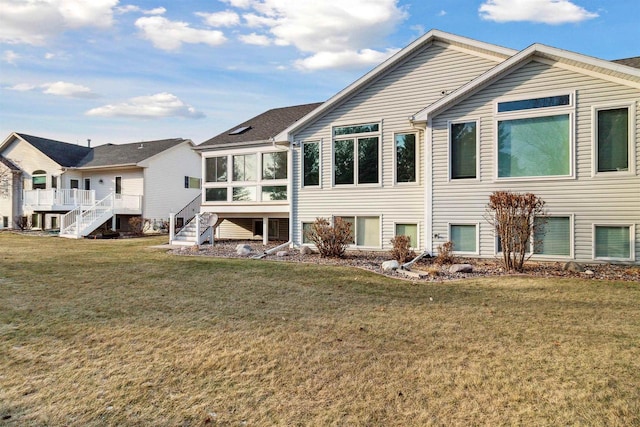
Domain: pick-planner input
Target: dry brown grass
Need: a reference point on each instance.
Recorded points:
(111, 333)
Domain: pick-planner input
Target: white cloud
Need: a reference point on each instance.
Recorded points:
(342, 33)
(129, 8)
(34, 21)
(10, 57)
(22, 87)
(255, 39)
(344, 59)
(70, 90)
(226, 18)
(442, 13)
(49, 55)
(170, 35)
(148, 107)
(542, 11)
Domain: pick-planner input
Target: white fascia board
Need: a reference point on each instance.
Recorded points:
(429, 37)
(599, 66)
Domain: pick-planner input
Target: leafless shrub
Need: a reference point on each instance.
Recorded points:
(445, 254)
(331, 240)
(136, 225)
(401, 250)
(23, 223)
(513, 217)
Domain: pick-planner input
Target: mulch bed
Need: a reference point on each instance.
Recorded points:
(372, 261)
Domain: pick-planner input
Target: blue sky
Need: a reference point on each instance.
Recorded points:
(126, 71)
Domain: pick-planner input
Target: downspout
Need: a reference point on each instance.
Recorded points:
(272, 250)
(427, 179)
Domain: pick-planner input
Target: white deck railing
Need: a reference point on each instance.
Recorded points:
(55, 197)
(127, 202)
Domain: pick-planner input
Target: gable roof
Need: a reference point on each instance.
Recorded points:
(629, 62)
(126, 154)
(497, 53)
(63, 153)
(587, 64)
(261, 128)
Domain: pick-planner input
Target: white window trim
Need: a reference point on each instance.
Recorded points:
(355, 137)
(632, 234)
(477, 225)
(417, 159)
(301, 156)
(355, 232)
(534, 113)
(571, 239)
(631, 106)
(416, 247)
(449, 155)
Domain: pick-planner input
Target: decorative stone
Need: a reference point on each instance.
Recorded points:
(589, 273)
(243, 250)
(389, 266)
(305, 250)
(573, 267)
(281, 254)
(461, 268)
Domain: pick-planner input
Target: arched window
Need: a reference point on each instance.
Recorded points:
(39, 180)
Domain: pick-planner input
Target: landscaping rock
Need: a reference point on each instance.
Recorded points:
(588, 273)
(461, 268)
(243, 250)
(282, 253)
(389, 266)
(305, 250)
(573, 267)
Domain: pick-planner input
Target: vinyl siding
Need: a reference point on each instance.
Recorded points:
(164, 190)
(590, 199)
(242, 229)
(391, 99)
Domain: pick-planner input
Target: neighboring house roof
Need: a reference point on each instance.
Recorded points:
(126, 154)
(9, 164)
(63, 153)
(605, 69)
(629, 62)
(487, 50)
(262, 127)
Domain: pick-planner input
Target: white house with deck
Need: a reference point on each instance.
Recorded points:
(76, 189)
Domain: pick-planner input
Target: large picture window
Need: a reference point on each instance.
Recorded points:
(311, 164)
(356, 160)
(365, 230)
(463, 147)
(534, 137)
(405, 157)
(612, 140)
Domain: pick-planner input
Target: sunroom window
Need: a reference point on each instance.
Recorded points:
(274, 165)
(612, 140)
(463, 146)
(356, 159)
(216, 169)
(405, 157)
(534, 137)
(244, 167)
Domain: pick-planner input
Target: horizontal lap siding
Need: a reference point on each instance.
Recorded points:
(392, 98)
(590, 199)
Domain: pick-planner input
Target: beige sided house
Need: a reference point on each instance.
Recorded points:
(358, 156)
(561, 125)
(76, 189)
(247, 179)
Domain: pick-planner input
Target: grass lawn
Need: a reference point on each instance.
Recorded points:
(108, 332)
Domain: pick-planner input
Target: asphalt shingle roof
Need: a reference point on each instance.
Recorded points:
(63, 153)
(629, 62)
(125, 154)
(263, 126)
